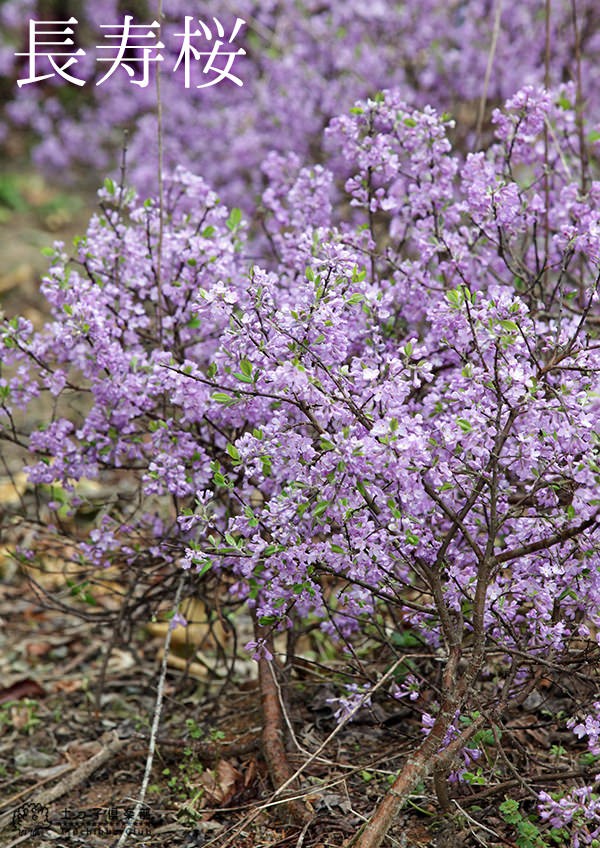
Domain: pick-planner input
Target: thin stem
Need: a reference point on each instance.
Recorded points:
(579, 99)
(488, 72)
(154, 731)
(548, 10)
(161, 197)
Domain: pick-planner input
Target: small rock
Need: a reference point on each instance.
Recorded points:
(33, 758)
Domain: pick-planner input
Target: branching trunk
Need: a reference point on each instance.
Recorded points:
(273, 732)
(426, 759)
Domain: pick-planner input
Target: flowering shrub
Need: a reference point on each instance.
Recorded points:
(394, 413)
(305, 62)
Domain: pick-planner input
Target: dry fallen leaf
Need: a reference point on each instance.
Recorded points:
(27, 688)
(220, 784)
(67, 685)
(37, 649)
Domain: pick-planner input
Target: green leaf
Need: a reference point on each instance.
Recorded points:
(564, 102)
(265, 620)
(222, 397)
(234, 220)
(233, 452)
(510, 811)
(246, 367)
(454, 298)
(320, 508)
(206, 566)
(362, 488)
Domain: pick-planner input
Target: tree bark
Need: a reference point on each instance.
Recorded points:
(420, 765)
(273, 732)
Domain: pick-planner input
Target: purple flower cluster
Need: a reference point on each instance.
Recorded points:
(576, 811)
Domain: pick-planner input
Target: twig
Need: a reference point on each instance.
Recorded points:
(154, 730)
(303, 833)
(552, 777)
(488, 72)
(473, 821)
(583, 156)
(161, 189)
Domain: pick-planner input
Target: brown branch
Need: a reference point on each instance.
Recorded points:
(426, 759)
(456, 519)
(548, 542)
(552, 777)
(273, 745)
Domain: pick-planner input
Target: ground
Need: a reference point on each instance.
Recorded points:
(60, 710)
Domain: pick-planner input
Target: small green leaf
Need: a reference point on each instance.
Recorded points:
(454, 298)
(246, 367)
(234, 220)
(361, 488)
(233, 452)
(222, 397)
(265, 620)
